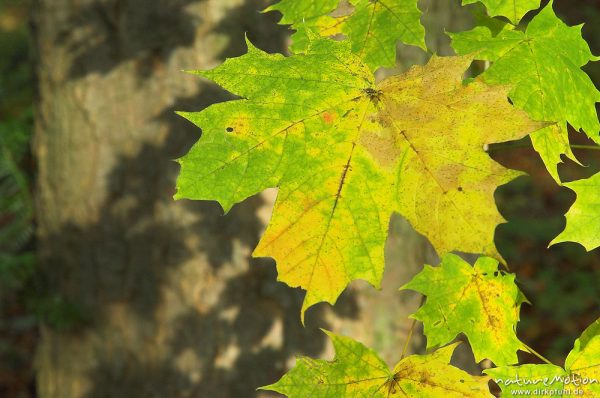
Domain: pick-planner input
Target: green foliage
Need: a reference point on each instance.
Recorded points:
(346, 151)
(365, 148)
(543, 63)
(305, 16)
(582, 219)
(579, 377)
(480, 301)
(357, 371)
(511, 9)
(373, 27)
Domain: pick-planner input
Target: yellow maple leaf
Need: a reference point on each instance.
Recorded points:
(346, 153)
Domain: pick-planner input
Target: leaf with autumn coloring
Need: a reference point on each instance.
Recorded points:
(543, 63)
(373, 26)
(358, 372)
(346, 153)
(514, 10)
(583, 218)
(580, 376)
(480, 301)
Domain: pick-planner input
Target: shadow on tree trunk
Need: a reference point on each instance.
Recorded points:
(169, 302)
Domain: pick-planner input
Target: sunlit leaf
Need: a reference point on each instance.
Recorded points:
(580, 376)
(358, 372)
(372, 27)
(346, 153)
(583, 218)
(543, 63)
(480, 301)
(514, 10)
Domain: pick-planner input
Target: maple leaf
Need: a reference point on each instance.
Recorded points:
(305, 16)
(543, 63)
(583, 218)
(579, 377)
(357, 371)
(479, 301)
(346, 153)
(514, 10)
(373, 27)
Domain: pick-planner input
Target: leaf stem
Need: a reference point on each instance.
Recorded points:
(501, 147)
(591, 147)
(411, 331)
(537, 354)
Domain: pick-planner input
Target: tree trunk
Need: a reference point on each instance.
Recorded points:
(170, 303)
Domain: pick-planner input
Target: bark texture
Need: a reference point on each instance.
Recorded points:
(173, 305)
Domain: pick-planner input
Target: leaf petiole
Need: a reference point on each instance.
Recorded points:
(537, 354)
(502, 147)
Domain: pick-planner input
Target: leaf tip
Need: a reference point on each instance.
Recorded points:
(555, 241)
(251, 47)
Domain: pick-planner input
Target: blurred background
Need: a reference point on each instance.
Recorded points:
(108, 288)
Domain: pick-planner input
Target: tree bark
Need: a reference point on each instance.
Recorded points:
(170, 302)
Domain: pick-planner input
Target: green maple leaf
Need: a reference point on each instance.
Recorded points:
(552, 143)
(514, 10)
(579, 377)
(479, 301)
(346, 153)
(373, 27)
(543, 64)
(305, 16)
(295, 11)
(583, 218)
(357, 371)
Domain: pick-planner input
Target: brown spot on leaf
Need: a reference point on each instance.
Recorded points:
(382, 145)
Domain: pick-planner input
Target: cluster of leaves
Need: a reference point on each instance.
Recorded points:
(346, 152)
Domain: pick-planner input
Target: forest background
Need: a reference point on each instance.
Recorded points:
(109, 287)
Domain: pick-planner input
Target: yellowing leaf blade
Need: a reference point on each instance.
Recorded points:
(580, 376)
(346, 153)
(358, 372)
(543, 64)
(479, 301)
(446, 183)
(431, 376)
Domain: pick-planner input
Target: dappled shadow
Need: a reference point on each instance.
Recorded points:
(238, 341)
(169, 302)
(244, 342)
(105, 34)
